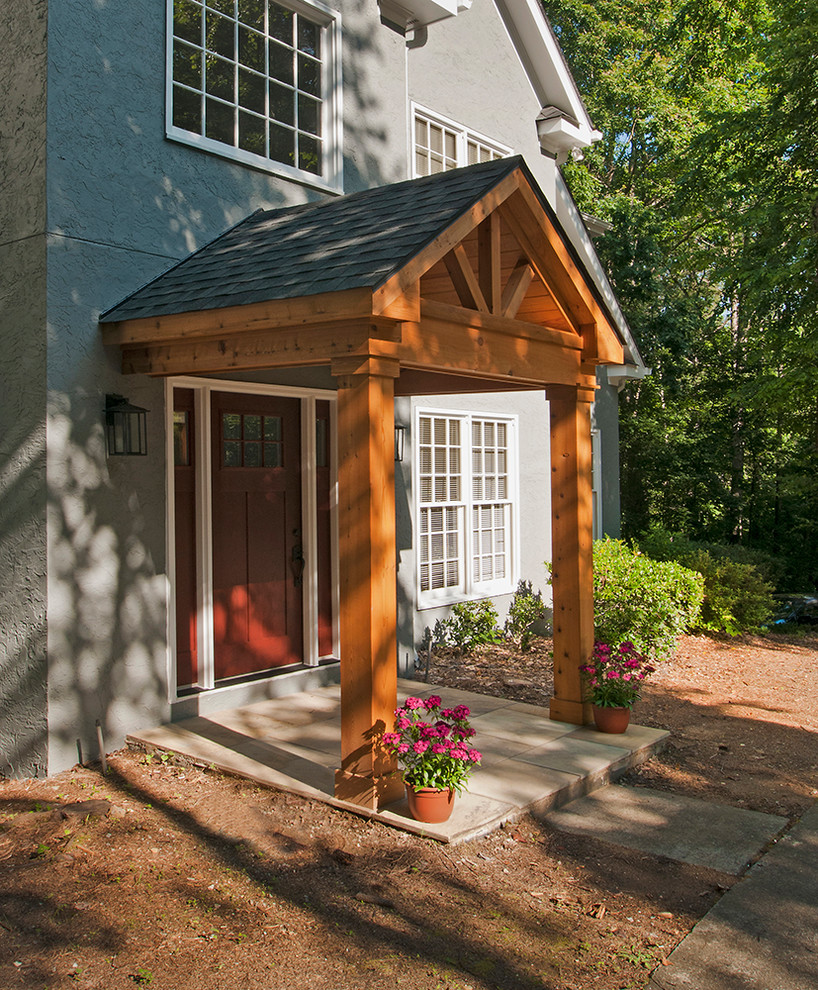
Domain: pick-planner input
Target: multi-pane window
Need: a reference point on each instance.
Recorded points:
(440, 145)
(252, 441)
(255, 77)
(465, 505)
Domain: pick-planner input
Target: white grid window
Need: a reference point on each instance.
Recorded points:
(465, 505)
(441, 145)
(253, 79)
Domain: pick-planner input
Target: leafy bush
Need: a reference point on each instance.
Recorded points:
(647, 602)
(663, 544)
(469, 625)
(527, 608)
(737, 580)
(736, 597)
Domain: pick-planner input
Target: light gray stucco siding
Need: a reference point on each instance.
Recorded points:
(23, 709)
(469, 71)
(125, 203)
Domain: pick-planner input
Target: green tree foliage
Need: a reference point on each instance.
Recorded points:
(708, 172)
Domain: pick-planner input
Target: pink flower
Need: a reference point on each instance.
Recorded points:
(433, 701)
(438, 748)
(420, 746)
(461, 712)
(403, 748)
(413, 703)
(403, 722)
(459, 754)
(475, 755)
(391, 738)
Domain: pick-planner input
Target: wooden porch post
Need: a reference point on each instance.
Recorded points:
(366, 523)
(572, 547)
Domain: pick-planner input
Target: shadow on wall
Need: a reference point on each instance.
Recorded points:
(107, 656)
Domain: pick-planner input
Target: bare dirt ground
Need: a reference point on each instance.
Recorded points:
(176, 877)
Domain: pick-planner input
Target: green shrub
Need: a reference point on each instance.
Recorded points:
(662, 544)
(738, 581)
(469, 625)
(736, 597)
(649, 602)
(527, 608)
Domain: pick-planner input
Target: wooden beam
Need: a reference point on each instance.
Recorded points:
(349, 304)
(555, 263)
(516, 288)
(464, 280)
(488, 262)
(451, 237)
(547, 269)
(572, 548)
(249, 351)
(433, 310)
(487, 352)
(413, 381)
(366, 545)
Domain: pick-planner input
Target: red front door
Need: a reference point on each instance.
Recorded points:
(257, 541)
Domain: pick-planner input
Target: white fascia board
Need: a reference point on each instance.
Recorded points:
(573, 225)
(548, 72)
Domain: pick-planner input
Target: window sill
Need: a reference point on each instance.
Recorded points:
(268, 166)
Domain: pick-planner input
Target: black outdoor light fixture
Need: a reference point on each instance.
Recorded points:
(400, 442)
(126, 427)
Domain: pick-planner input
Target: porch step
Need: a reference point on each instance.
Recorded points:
(530, 763)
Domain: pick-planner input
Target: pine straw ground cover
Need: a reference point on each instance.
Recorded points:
(177, 877)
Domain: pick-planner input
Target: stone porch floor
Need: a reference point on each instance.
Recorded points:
(529, 762)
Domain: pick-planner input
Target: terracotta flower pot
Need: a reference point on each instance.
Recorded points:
(429, 805)
(612, 720)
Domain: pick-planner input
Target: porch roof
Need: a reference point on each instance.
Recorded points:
(351, 242)
(465, 273)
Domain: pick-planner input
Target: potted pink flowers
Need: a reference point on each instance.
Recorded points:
(433, 749)
(614, 677)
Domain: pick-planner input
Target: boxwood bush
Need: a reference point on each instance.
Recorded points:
(649, 602)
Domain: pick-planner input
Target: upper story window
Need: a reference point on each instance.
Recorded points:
(440, 144)
(257, 81)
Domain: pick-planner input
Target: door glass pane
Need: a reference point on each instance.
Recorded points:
(231, 426)
(252, 427)
(272, 427)
(252, 454)
(231, 451)
(272, 455)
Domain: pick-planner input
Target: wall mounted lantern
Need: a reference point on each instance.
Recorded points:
(126, 427)
(400, 442)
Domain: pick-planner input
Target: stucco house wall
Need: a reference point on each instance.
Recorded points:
(94, 202)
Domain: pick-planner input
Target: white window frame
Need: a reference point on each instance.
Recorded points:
(463, 137)
(467, 588)
(331, 178)
(203, 388)
(596, 483)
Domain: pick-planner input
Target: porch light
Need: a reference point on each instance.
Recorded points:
(126, 427)
(400, 442)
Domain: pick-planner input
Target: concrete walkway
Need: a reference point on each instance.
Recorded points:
(763, 934)
(530, 763)
(703, 833)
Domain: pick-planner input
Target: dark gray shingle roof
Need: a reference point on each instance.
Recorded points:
(351, 242)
